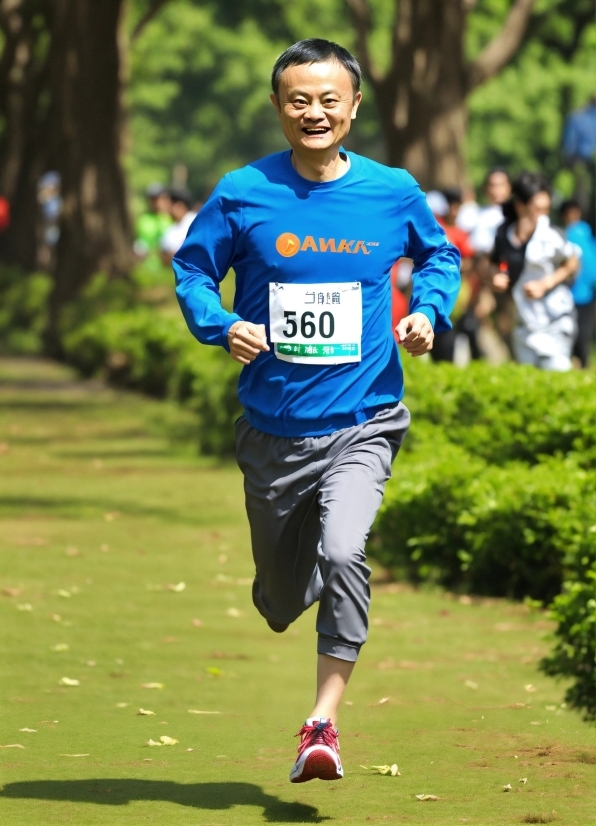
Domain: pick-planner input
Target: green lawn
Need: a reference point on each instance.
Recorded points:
(99, 515)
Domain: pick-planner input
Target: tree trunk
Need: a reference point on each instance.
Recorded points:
(85, 136)
(22, 77)
(421, 102)
(421, 99)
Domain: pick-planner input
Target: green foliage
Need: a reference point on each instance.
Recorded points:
(145, 349)
(511, 531)
(23, 310)
(496, 494)
(199, 88)
(574, 654)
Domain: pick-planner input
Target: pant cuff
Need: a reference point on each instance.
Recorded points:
(332, 648)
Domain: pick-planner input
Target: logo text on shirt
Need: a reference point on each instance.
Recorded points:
(288, 244)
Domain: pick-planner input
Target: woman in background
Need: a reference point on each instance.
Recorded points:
(535, 263)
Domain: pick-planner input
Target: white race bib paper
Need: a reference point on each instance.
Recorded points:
(316, 323)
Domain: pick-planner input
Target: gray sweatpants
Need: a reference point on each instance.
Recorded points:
(311, 502)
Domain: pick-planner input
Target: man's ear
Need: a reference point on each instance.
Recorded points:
(356, 104)
(275, 101)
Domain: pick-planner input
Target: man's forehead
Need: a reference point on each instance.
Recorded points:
(328, 75)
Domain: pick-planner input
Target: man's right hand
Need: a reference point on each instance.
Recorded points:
(500, 282)
(246, 341)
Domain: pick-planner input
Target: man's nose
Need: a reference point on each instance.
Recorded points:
(315, 111)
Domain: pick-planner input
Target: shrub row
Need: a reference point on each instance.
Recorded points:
(153, 352)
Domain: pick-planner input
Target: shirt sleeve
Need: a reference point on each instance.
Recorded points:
(202, 263)
(435, 276)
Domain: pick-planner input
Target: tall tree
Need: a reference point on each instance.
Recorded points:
(84, 137)
(421, 96)
(60, 94)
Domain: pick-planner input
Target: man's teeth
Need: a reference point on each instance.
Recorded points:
(320, 131)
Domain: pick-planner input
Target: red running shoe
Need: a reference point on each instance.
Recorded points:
(318, 752)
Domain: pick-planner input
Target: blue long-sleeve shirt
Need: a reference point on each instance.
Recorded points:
(584, 286)
(274, 227)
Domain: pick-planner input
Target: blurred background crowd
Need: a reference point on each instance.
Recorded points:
(117, 119)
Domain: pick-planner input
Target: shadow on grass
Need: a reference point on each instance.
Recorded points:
(121, 791)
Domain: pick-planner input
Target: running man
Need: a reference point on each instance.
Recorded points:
(312, 234)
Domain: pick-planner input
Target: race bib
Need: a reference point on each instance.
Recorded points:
(316, 323)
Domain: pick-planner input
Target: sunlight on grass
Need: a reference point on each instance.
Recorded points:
(103, 523)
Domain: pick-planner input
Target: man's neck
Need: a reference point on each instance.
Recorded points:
(320, 167)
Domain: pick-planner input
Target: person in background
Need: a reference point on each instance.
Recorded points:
(153, 223)
(182, 214)
(533, 261)
(579, 151)
(497, 189)
(49, 199)
(467, 217)
(465, 316)
(584, 287)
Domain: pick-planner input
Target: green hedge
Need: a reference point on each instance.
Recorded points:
(574, 654)
(152, 351)
(23, 310)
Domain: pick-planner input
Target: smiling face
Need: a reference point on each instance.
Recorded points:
(316, 105)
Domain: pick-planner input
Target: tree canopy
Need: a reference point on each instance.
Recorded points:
(199, 83)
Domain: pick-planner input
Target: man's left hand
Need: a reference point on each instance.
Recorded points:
(416, 334)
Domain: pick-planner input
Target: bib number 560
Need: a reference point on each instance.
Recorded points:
(308, 327)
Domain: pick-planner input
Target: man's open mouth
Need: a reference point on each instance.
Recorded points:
(315, 130)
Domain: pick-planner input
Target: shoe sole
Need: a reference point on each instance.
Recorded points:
(318, 766)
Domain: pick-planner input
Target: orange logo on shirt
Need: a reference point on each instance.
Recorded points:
(287, 244)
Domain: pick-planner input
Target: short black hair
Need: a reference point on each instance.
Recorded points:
(570, 203)
(179, 195)
(315, 50)
(523, 189)
(496, 170)
(452, 194)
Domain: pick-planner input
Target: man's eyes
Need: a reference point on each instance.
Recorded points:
(300, 102)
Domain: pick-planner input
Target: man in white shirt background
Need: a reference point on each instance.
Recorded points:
(183, 215)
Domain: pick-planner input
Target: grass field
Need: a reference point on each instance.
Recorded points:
(100, 522)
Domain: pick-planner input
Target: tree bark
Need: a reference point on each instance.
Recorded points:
(421, 98)
(85, 137)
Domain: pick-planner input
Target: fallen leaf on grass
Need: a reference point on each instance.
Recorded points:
(144, 712)
(471, 684)
(348, 703)
(181, 586)
(535, 723)
(75, 755)
(68, 681)
(523, 780)
(550, 708)
(196, 711)
(61, 646)
(13, 746)
(151, 685)
(234, 612)
(12, 592)
(197, 623)
(164, 740)
(393, 771)
(91, 663)
(189, 749)
(31, 730)
(56, 617)
(383, 700)
(508, 788)
(109, 517)
(530, 688)
(425, 797)
(72, 552)
(62, 592)
(24, 606)
(214, 671)
(122, 705)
